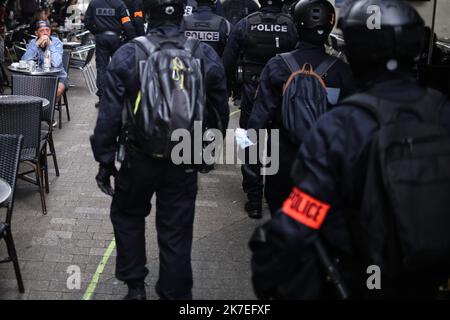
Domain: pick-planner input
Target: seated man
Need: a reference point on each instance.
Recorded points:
(36, 50)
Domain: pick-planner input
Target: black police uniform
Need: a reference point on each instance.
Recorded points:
(106, 19)
(235, 10)
(207, 27)
(257, 41)
(135, 7)
(332, 160)
(266, 112)
(141, 176)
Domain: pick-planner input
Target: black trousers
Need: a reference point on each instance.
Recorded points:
(176, 189)
(279, 186)
(105, 46)
(252, 180)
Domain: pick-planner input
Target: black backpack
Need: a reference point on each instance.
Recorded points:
(403, 225)
(172, 94)
(304, 96)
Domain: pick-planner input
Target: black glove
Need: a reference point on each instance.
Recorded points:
(103, 178)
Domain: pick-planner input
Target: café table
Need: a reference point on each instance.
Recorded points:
(11, 98)
(37, 72)
(5, 190)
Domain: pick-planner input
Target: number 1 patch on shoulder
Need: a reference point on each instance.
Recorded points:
(305, 209)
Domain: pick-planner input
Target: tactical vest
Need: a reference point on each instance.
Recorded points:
(206, 31)
(267, 35)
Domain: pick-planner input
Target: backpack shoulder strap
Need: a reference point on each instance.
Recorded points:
(434, 101)
(290, 61)
(146, 45)
(191, 45)
(147, 48)
(325, 65)
(367, 102)
(384, 111)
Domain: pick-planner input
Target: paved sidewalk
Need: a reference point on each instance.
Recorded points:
(77, 230)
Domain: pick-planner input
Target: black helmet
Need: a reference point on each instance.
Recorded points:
(265, 3)
(397, 33)
(314, 19)
(154, 4)
(159, 10)
(207, 2)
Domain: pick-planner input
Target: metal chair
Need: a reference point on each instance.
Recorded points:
(44, 87)
(22, 116)
(10, 148)
(65, 62)
(85, 66)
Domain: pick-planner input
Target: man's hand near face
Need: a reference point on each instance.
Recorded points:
(43, 41)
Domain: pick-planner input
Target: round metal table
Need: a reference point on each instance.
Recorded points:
(37, 72)
(17, 98)
(5, 191)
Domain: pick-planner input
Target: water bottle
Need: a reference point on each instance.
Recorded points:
(47, 60)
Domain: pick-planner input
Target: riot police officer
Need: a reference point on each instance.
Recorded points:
(141, 175)
(256, 39)
(137, 15)
(235, 10)
(208, 27)
(314, 20)
(106, 19)
(332, 163)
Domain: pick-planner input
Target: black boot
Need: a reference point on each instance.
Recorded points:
(136, 292)
(254, 209)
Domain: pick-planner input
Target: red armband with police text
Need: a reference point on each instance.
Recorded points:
(305, 209)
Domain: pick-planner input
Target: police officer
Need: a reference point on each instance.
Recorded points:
(256, 38)
(207, 26)
(141, 175)
(314, 20)
(106, 19)
(137, 15)
(332, 161)
(235, 10)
